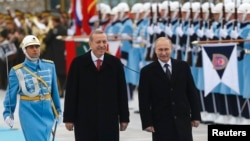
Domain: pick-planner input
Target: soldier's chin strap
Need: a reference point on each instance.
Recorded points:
(27, 56)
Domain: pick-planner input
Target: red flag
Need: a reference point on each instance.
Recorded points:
(88, 13)
(76, 14)
(74, 48)
(70, 53)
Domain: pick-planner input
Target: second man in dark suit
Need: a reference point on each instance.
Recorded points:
(169, 105)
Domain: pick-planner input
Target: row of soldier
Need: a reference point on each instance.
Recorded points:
(183, 24)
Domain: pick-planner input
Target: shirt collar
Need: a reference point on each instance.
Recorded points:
(94, 58)
(163, 63)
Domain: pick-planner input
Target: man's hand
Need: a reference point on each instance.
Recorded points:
(195, 123)
(69, 126)
(123, 126)
(150, 129)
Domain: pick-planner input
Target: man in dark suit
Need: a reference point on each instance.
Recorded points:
(169, 105)
(96, 97)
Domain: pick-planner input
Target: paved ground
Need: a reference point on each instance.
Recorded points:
(133, 132)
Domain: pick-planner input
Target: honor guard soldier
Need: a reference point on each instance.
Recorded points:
(136, 58)
(126, 33)
(244, 10)
(35, 81)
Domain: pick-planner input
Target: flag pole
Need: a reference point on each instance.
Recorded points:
(220, 41)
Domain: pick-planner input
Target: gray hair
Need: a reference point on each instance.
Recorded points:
(98, 31)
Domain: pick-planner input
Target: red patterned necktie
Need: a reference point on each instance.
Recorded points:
(98, 64)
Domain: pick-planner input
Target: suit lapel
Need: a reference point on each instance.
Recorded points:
(174, 71)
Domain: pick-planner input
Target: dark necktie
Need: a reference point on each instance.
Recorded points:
(98, 64)
(168, 73)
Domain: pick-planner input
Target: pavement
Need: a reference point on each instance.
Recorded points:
(133, 132)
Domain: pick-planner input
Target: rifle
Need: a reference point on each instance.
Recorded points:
(158, 18)
(235, 16)
(188, 44)
(98, 24)
(199, 54)
(179, 51)
(201, 16)
(223, 16)
(210, 16)
(148, 54)
(169, 13)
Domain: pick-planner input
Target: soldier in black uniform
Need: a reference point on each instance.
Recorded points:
(55, 50)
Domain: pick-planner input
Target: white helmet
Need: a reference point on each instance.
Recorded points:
(123, 7)
(156, 7)
(104, 8)
(186, 7)
(244, 8)
(165, 5)
(196, 9)
(114, 11)
(218, 8)
(146, 6)
(29, 40)
(100, 6)
(174, 6)
(137, 8)
(229, 7)
(206, 5)
(196, 6)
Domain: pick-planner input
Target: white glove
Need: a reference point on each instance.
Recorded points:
(139, 39)
(9, 121)
(234, 34)
(148, 44)
(168, 31)
(179, 31)
(150, 30)
(223, 32)
(177, 47)
(125, 36)
(210, 33)
(59, 119)
(191, 30)
(200, 33)
(157, 29)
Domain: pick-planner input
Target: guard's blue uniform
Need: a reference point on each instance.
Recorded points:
(136, 58)
(36, 116)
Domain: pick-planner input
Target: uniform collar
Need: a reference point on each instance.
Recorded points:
(32, 65)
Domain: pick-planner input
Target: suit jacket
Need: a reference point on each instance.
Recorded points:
(168, 105)
(96, 101)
